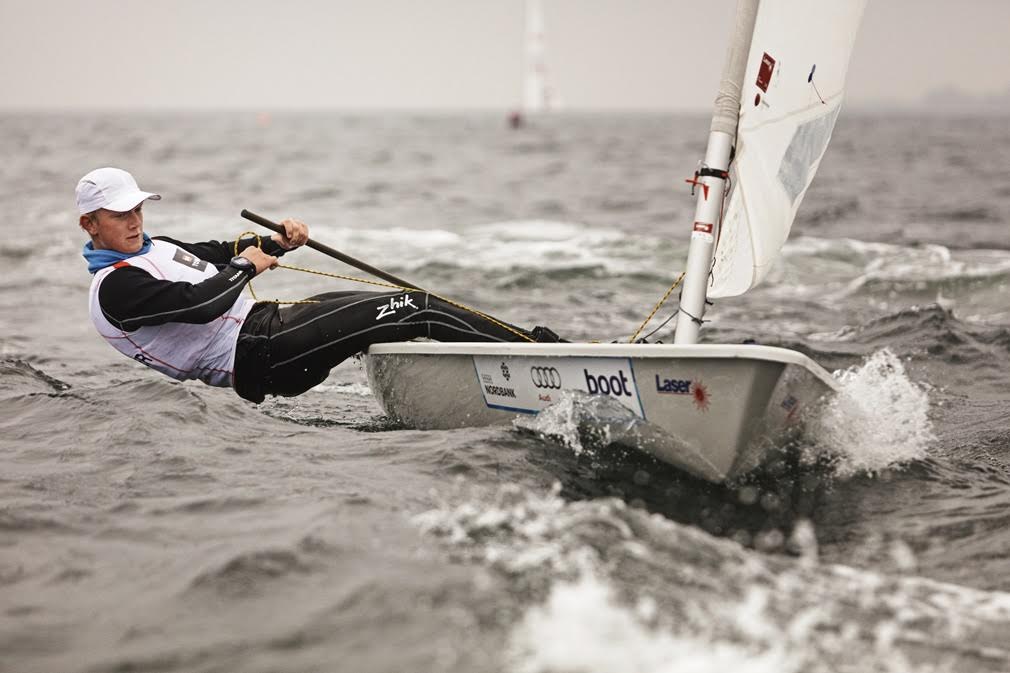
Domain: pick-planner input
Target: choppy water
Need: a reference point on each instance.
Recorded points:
(152, 526)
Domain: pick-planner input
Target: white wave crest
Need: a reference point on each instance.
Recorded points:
(612, 638)
(878, 419)
(499, 246)
(617, 589)
(563, 421)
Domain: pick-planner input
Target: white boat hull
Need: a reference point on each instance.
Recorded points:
(715, 411)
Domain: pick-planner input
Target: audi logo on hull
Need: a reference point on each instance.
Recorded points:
(546, 377)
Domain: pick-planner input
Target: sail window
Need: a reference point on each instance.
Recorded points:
(804, 151)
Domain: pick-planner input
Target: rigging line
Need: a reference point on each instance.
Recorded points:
(662, 324)
(693, 318)
(656, 309)
(451, 302)
(810, 79)
(806, 108)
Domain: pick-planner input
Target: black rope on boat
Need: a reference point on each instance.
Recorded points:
(697, 321)
(645, 339)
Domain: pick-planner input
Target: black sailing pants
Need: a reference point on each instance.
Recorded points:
(286, 351)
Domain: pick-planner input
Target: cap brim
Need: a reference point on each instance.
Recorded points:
(126, 202)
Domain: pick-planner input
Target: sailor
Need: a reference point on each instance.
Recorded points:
(178, 307)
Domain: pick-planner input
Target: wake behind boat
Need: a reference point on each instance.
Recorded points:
(716, 411)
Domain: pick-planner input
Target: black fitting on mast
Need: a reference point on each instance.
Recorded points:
(706, 172)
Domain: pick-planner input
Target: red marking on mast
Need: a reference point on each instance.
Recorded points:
(697, 183)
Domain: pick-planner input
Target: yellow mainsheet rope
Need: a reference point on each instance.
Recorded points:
(656, 309)
(259, 244)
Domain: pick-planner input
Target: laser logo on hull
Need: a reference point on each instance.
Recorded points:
(694, 389)
(673, 386)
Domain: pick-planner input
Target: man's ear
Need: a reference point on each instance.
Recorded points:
(89, 225)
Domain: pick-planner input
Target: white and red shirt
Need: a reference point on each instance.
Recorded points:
(173, 310)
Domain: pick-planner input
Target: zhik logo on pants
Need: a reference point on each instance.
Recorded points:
(402, 301)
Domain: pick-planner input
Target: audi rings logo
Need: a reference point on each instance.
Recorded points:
(545, 377)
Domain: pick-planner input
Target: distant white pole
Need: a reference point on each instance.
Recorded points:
(712, 188)
(534, 85)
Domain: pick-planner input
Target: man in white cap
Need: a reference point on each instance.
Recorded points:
(178, 307)
(111, 208)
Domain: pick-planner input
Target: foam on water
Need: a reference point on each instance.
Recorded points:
(351, 388)
(878, 419)
(559, 421)
(542, 245)
(888, 276)
(583, 422)
(613, 588)
(887, 261)
(422, 241)
(536, 230)
(924, 266)
(582, 627)
(527, 244)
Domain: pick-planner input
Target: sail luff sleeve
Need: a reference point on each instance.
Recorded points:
(727, 100)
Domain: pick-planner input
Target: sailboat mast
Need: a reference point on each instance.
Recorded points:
(712, 177)
(534, 85)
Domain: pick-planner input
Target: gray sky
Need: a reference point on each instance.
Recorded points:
(273, 54)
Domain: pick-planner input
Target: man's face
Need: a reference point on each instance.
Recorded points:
(111, 230)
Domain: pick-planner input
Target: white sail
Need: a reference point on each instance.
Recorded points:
(792, 92)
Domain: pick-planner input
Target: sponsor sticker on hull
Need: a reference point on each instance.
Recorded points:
(680, 386)
(531, 384)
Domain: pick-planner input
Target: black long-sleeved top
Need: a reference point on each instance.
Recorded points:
(131, 298)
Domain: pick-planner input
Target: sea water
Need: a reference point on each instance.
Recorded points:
(148, 525)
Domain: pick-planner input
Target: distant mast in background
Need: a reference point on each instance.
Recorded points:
(536, 96)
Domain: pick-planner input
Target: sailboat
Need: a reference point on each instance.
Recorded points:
(716, 411)
(536, 96)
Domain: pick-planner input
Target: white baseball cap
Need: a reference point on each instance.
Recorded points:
(110, 188)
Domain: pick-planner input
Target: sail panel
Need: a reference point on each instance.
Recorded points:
(804, 154)
(792, 93)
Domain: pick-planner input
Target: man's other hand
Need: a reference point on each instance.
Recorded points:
(295, 234)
